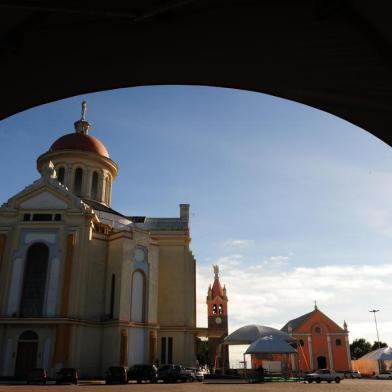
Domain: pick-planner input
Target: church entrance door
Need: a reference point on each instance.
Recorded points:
(26, 356)
(321, 362)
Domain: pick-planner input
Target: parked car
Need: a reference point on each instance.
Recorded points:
(116, 374)
(192, 372)
(67, 375)
(141, 373)
(324, 375)
(174, 373)
(37, 375)
(355, 374)
(384, 376)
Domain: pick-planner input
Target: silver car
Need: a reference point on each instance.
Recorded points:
(384, 376)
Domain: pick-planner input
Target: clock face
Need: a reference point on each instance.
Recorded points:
(139, 254)
(218, 320)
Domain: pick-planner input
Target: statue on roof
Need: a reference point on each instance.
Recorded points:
(84, 110)
(216, 271)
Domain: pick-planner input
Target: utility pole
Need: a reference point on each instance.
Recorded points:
(374, 311)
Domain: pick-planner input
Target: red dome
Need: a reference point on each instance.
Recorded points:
(80, 142)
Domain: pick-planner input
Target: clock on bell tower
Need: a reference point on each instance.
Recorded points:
(217, 323)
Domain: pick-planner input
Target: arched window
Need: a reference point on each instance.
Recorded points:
(317, 330)
(214, 309)
(338, 342)
(138, 295)
(61, 174)
(301, 342)
(220, 309)
(78, 180)
(34, 282)
(112, 293)
(94, 186)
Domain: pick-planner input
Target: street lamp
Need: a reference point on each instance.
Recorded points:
(374, 311)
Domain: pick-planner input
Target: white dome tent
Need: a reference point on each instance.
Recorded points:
(374, 362)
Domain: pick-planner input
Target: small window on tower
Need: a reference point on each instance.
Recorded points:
(220, 309)
(214, 309)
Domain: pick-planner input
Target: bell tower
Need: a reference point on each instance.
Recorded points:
(217, 323)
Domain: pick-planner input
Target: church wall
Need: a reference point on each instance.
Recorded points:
(176, 303)
(183, 347)
(86, 350)
(97, 264)
(137, 346)
(153, 286)
(110, 347)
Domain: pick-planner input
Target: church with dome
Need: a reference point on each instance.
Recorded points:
(83, 285)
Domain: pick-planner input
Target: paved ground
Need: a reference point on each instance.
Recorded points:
(344, 386)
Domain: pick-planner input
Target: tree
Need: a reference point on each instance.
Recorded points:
(377, 345)
(360, 347)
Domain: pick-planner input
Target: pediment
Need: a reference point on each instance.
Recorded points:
(44, 201)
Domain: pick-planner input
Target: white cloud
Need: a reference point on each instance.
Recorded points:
(237, 243)
(262, 294)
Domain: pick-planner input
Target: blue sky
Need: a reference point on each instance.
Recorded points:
(293, 203)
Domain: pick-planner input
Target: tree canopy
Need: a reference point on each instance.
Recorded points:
(360, 347)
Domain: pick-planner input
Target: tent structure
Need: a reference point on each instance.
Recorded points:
(263, 340)
(270, 344)
(250, 333)
(374, 362)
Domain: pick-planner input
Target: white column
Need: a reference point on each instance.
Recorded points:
(15, 287)
(52, 291)
(348, 353)
(101, 187)
(331, 364)
(310, 353)
(87, 183)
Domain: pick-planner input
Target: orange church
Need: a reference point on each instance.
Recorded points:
(321, 343)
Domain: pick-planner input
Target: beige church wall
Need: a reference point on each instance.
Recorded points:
(94, 307)
(87, 350)
(110, 347)
(183, 347)
(115, 265)
(176, 301)
(153, 286)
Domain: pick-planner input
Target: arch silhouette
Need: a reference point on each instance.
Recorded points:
(331, 55)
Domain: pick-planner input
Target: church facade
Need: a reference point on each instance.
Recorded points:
(84, 286)
(321, 343)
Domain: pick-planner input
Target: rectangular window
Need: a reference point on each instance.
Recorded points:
(26, 217)
(163, 351)
(42, 217)
(57, 217)
(169, 350)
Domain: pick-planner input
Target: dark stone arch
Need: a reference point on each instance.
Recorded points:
(34, 282)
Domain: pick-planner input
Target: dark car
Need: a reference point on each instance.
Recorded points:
(37, 375)
(67, 375)
(141, 373)
(116, 374)
(174, 373)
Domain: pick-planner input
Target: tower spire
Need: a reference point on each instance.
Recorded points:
(82, 125)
